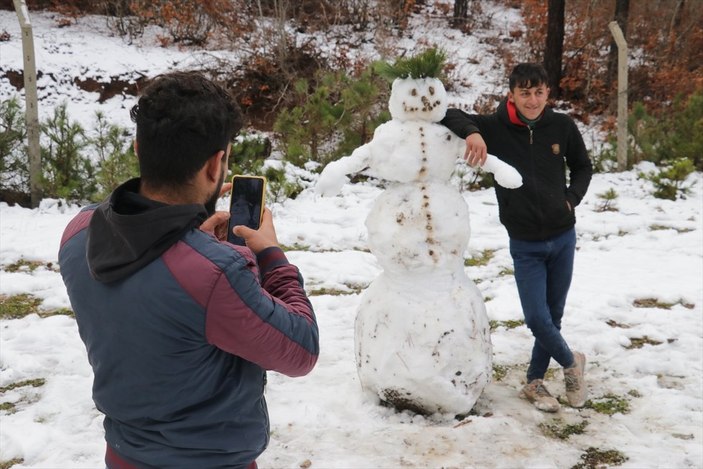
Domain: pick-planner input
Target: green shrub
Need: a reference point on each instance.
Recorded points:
(645, 132)
(116, 160)
(607, 201)
(280, 187)
(670, 180)
(674, 136)
(332, 117)
(248, 154)
(305, 128)
(68, 173)
(684, 132)
(605, 159)
(14, 172)
(364, 102)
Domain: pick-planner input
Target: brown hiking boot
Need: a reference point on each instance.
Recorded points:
(575, 383)
(535, 392)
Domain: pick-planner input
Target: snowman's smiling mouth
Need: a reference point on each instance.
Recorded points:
(427, 106)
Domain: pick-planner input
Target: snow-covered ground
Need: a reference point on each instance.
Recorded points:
(648, 249)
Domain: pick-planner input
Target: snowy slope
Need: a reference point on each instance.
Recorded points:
(647, 249)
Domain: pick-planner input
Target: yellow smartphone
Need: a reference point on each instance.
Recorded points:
(246, 205)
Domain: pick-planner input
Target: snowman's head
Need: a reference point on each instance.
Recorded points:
(418, 99)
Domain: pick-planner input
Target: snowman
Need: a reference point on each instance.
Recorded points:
(421, 333)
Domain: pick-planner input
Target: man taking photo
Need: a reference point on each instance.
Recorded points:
(180, 326)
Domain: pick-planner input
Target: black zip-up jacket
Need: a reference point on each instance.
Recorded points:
(538, 210)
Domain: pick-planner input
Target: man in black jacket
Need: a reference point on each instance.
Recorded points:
(539, 216)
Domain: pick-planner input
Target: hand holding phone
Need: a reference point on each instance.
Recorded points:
(246, 206)
(264, 237)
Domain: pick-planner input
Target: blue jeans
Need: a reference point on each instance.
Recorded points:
(543, 272)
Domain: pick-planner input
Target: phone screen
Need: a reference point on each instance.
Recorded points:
(246, 204)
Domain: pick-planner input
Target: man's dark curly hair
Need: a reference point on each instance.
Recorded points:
(528, 75)
(182, 118)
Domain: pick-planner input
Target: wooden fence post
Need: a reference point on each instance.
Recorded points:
(622, 94)
(31, 103)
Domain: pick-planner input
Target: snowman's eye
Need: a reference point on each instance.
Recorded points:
(413, 92)
(431, 90)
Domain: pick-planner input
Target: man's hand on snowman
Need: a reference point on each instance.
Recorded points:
(476, 150)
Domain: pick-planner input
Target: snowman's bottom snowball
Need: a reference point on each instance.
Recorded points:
(422, 342)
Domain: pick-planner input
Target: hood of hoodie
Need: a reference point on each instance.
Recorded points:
(128, 231)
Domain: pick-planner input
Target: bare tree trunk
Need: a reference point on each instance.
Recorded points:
(555, 44)
(31, 103)
(281, 36)
(622, 13)
(461, 12)
(674, 26)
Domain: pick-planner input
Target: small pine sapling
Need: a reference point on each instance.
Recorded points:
(670, 181)
(607, 201)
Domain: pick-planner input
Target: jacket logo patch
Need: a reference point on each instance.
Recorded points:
(555, 148)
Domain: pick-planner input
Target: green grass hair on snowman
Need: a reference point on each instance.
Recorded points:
(428, 64)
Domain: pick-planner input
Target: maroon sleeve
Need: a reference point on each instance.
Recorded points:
(271, 324)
